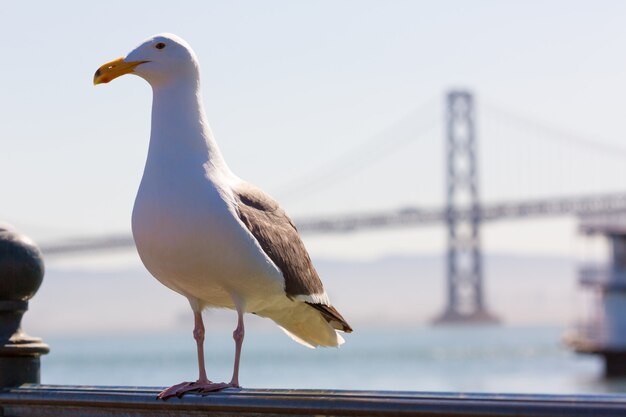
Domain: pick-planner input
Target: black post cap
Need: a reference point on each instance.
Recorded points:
(21, 274)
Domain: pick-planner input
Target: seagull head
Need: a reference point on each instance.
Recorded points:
(159, 60)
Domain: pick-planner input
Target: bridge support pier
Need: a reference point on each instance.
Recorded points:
(465, 299)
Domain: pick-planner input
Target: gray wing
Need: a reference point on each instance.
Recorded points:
(280, 240)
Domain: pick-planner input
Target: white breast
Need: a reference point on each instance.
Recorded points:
(190, 238)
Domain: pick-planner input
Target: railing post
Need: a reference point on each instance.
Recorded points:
(21, 273)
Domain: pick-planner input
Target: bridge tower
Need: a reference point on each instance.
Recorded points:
(465, 298)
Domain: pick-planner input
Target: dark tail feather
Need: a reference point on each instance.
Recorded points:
(332, 316)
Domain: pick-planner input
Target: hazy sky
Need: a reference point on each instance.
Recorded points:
(291, 86)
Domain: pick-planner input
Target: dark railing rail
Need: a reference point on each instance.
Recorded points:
(70, 401)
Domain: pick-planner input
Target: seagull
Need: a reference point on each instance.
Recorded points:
(205, 233)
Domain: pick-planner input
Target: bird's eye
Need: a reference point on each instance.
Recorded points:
(159, 45)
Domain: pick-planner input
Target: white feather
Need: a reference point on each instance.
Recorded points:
(314, 298)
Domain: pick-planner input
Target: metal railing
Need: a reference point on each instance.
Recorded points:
(70, 401)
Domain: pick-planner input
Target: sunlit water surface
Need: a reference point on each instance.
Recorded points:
(480, 359)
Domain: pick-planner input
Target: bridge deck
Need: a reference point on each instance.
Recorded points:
(409, 216)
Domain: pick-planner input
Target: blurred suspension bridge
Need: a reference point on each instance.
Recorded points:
(463, 213)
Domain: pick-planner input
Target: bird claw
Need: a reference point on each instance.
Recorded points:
(174, 391)
(216, 387)
(202, 388)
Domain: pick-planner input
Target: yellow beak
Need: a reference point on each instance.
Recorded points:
(112, 70)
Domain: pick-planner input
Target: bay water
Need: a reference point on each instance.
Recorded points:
(470, 359)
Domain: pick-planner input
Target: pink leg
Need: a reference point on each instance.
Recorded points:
(238, 335)
(198, 334)
(203, 385)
